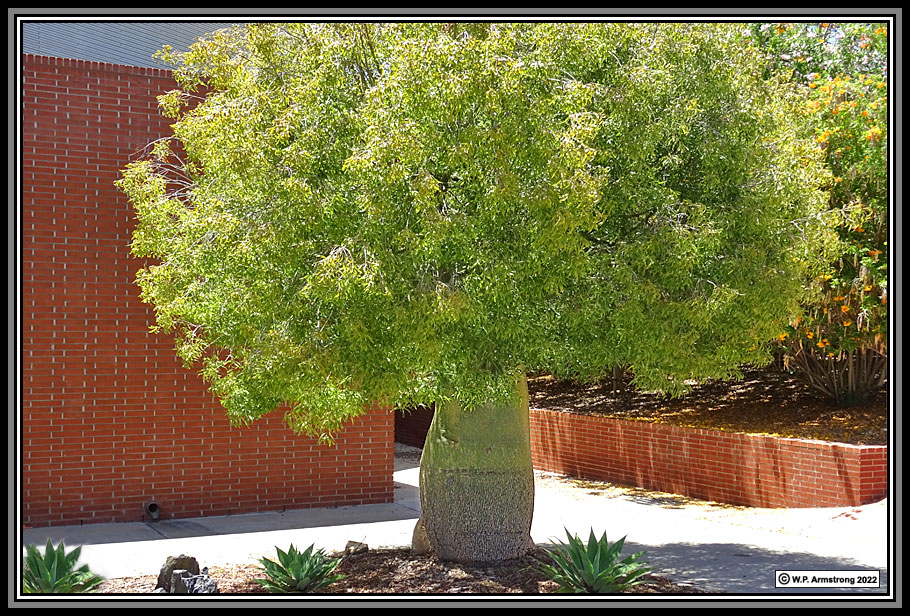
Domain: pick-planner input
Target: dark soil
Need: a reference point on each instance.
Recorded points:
(766, 401)
(398, 572)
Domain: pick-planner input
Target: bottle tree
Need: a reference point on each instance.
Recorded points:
(416, 213)
(839, 345)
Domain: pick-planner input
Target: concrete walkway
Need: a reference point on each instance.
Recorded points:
(714, 547)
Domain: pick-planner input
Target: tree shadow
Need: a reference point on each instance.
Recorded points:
(765, 400)
(746, 569)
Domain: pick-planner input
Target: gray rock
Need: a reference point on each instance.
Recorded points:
(174, 563)
(355, 547)
(184, 583)
(178, 582)
(201, 585)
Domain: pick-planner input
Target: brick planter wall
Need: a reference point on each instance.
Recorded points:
(741, 469)
(110, 418)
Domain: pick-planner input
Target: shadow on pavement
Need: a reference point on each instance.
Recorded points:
(745, 569)
(100, 534)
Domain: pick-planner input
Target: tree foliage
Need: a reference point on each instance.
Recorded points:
(409, 213)
(842, 69)
(813, 50)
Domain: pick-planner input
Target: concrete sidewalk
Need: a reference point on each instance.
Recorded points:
(717, 548)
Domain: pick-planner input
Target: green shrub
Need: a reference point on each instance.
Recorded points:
(593, 568)
(302, 572)
(55, 572)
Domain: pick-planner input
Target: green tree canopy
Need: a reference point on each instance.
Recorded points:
(415, 213)
(408, 213)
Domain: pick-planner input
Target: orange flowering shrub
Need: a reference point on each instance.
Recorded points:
(843, 68)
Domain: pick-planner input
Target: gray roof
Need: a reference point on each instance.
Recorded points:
(117, 42)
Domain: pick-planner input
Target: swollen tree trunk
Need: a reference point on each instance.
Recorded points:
(477, 481)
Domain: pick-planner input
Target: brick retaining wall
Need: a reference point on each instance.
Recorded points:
(741, 469)
(110, 418)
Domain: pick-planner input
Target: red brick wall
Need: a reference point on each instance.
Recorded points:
(110, 419)
(412, 425)
(742, 469)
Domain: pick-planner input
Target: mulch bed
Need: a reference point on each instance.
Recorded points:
(398, 572)
(765, 401)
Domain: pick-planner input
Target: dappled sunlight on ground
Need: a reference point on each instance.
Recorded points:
(766, 401)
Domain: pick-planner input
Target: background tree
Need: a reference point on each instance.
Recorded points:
(839, 345)
(416, 213)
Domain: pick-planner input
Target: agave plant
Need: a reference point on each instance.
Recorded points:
(302, 572)
(593, 568)
(55, 571)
